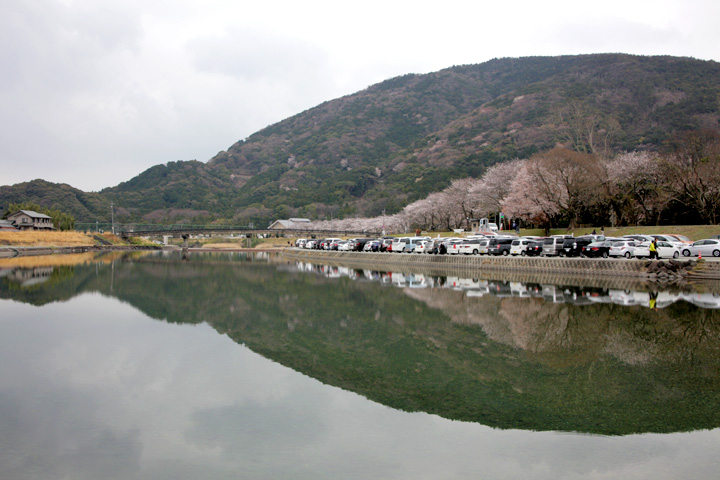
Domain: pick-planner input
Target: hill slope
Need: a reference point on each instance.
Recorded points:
(401, 139)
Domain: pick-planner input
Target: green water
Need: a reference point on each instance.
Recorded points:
(233, 366)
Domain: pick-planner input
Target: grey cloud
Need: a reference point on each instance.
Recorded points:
(611, 35)
(253, 55)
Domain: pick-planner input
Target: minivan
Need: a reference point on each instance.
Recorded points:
(500, 246)
(407, 244)
(553, 245)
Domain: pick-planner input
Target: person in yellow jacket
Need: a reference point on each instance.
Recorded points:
(653, 249)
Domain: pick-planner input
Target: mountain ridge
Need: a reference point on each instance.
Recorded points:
(401, 139)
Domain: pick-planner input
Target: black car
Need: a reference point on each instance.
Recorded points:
(534, 248)
(359, 243)
(597, 249)
(573, 247)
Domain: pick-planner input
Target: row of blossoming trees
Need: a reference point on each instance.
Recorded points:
(564, 187)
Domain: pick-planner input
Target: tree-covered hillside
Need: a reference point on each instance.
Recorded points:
(395, 142)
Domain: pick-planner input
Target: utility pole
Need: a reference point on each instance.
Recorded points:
(112, 218)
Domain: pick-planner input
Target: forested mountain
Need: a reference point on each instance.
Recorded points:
(399, 140)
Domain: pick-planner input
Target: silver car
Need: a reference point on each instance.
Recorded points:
(708, 247)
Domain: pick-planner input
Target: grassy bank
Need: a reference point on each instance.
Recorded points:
(45, 239)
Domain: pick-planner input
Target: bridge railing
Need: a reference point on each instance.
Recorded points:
(149, 229)
(133, 229)
(152, 228)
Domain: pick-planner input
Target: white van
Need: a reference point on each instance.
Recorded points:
(408, 244)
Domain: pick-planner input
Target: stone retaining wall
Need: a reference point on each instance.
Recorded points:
(566, 267)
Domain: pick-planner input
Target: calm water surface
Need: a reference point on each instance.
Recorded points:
(229, 366)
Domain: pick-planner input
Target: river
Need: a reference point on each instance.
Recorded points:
(229, 365)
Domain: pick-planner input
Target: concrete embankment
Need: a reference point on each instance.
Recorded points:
(587, 268)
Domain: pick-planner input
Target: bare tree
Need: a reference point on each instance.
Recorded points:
(585, 129)
(694, 168)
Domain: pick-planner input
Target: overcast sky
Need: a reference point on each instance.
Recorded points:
(93, 92)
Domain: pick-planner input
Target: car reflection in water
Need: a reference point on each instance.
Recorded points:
(477, 287)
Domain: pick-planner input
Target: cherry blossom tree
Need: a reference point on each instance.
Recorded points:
(492, 188)
(638, 188)
(525, 200)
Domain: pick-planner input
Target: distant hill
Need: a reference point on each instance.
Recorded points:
(399, 140)
(84, 206)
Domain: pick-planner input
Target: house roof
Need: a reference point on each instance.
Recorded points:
(29, 213)
(7, 225)
(291, 223)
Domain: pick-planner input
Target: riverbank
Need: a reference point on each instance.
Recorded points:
(11, 252)
(660, 271)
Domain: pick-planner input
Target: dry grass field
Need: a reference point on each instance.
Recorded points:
(45, 239)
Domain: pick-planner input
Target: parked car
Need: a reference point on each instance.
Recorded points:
(372, 246)
(453, 246)
(623, 248)
(707, 247)
(639, 238)
(343, 246)
(484, 243)
(554, 245)
(669, 239)
(519, 246)
(572, 247)
(534, 248)
(500, 246)
(469, 246)
(597, 249)
(448, 243)
(664, 250)
(396, 246)
(409, 243)
(386, 244)
(424, 247)
(681, 238)
(330, 243)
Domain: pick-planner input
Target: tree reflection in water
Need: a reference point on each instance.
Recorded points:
(508, 354)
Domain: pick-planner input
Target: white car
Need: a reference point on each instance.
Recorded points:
(408, 244)
(470, 246)
(453, 246)
(664, 250)
(669, 239)
(518, 247)
(708, 247)
(424, 247)
(624, 248)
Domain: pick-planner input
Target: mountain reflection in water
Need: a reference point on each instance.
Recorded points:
(505, 354)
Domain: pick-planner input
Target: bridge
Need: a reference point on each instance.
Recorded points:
(185, 231)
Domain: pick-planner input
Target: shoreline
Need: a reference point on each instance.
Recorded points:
(12, 252)
(647, 270)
